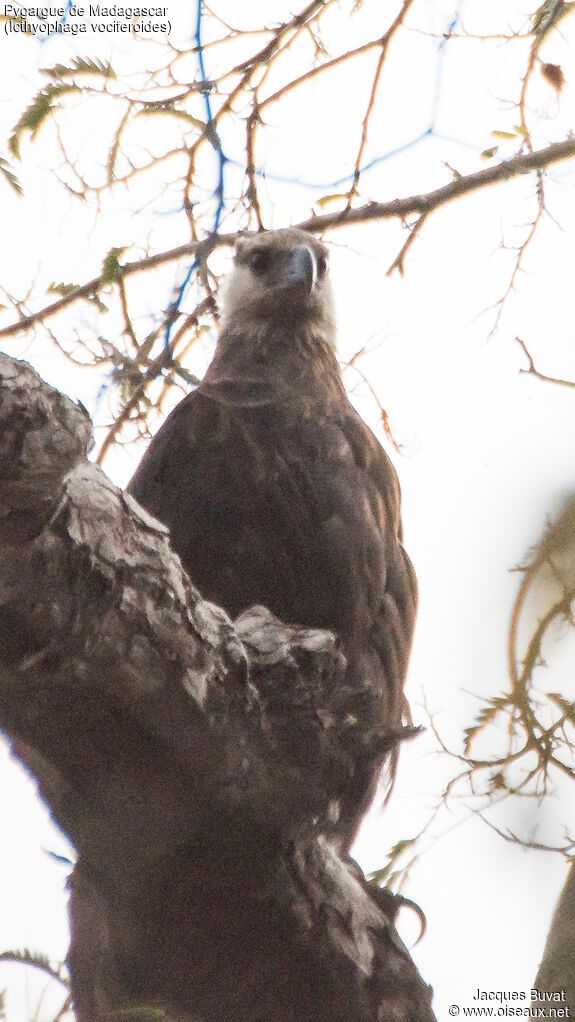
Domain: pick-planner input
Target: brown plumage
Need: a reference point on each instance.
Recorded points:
(277, 493)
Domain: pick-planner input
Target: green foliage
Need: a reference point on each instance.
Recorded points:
(37, 961)
(68, 290)
(62, 289)
(485, 716)
(42, 106)
(390, 874)
(44, 103)
(548, 16)
(80, 66)
(155, 109)
(519, 132)
(10, 176)
(325, 200)
(115, 147)
(111, 266)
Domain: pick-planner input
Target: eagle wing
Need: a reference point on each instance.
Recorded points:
(300, 511)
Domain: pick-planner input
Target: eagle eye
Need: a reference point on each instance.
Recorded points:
(260, 260)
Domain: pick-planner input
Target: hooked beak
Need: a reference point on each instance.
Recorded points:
(299, 271)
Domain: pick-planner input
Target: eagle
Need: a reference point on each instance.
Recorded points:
(276, 492)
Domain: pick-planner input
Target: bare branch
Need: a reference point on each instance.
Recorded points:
(385, 41)
(532, 371)
(155, 369)
(422, 204)
(399, 261)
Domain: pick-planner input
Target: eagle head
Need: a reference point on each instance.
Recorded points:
(279, 276)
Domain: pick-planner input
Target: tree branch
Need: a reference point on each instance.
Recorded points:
(532, 371)
(430, 201)
(422, 204)
(195, 766)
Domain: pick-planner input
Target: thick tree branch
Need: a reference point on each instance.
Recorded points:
(422, 204)
(460, 186)
(195, 766)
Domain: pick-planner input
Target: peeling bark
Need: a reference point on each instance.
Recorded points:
(193, 764)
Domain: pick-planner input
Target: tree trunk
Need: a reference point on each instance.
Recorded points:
(555, 983)
(193, 764)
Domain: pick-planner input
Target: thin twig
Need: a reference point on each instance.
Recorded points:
(164, 359)
(384, 43)
(399, 261)
(532, 371)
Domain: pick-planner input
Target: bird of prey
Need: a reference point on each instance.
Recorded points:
(277, 493)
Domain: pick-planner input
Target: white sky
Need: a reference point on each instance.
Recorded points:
(488, 452)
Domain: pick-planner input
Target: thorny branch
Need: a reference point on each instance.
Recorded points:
(154, 370)
(422, 204)
(520, 254)
(256, 69)
(529, 731)
(540, 726)
(384, 43)
(544, 21)
(247, 90)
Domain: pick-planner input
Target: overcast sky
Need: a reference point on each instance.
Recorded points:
(487, 452)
